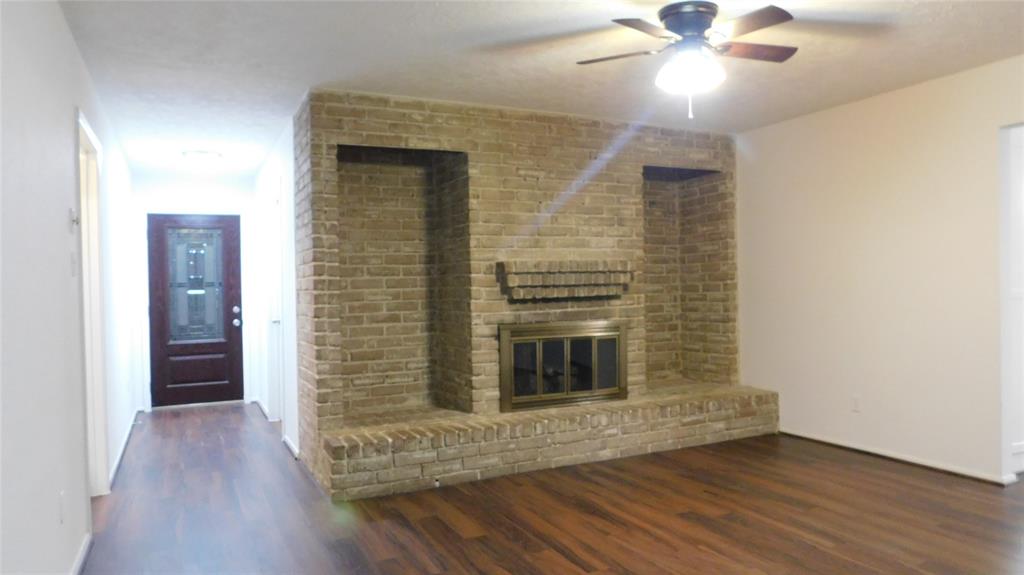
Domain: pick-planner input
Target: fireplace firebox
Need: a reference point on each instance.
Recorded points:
(548, 364)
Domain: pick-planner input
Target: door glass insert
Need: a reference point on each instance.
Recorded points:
(196, 296)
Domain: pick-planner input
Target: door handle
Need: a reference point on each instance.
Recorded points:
(236, 310)
(236, 322)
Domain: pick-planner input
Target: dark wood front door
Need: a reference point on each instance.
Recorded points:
(195, 309)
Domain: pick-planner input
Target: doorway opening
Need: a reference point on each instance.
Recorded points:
(195, 302)
(88, 223)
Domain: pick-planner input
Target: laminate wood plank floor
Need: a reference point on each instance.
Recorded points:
(213, 490)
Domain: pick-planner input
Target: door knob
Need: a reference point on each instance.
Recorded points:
(236, 322)
(236, 310)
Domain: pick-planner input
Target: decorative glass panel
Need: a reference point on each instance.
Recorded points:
(607, 363)
(524, 367)
(554, 365)
(581, 364)
(196, 299)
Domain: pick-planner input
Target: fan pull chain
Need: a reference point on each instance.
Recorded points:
(689, 98)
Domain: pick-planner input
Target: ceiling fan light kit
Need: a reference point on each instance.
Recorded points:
(689, 72)
(695, 45)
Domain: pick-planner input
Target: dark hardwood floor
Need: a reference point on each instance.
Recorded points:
(213, 490)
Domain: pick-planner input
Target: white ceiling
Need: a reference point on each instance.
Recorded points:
(226, 76)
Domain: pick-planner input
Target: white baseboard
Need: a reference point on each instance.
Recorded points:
(263, 408)
(291, 446)
(991, 478)
(83, 552)
(124, 446)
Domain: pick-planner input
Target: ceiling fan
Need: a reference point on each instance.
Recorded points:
(697, 41)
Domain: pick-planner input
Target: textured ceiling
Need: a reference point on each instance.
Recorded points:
(227, 76)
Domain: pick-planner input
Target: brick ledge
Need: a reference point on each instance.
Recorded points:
(406, 456)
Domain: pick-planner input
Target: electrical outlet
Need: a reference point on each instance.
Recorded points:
(855, 404)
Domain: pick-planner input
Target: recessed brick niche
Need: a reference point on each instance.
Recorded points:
(423, 227)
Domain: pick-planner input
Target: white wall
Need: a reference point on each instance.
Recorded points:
(275, 186)
(266, 323)
(126, 368)
(185, 193)
(46, 518)
(1011, 164)
(870, 270)
(1, 293)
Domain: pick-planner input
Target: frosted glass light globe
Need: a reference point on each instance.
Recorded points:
(691, 71)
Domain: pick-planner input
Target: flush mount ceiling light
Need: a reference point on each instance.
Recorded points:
(201, 155)
(202, 161)
(697, 41)
(203, 158)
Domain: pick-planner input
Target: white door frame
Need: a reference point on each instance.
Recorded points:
(90, 160)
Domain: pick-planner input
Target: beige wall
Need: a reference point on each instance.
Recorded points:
(869, 268)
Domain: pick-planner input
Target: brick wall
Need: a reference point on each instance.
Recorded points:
(451, 367)
(314, 292)
(707, 218)
(691, 280)
(383, 337)
(663, 304)
(540, 187)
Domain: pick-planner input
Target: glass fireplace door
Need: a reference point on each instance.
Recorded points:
(550, 364)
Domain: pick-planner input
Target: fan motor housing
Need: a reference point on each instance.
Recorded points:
(688, 19)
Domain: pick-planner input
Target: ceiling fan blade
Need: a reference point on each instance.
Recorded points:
(618, 56)
(647, 28)
(765, 52)
(763, 18)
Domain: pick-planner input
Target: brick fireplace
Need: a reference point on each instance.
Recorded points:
(424, 229)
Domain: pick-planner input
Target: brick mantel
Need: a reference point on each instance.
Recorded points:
(566, 279)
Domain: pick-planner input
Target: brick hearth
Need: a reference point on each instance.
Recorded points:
(421, 449)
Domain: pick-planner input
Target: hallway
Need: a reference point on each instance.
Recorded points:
(213, 490)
